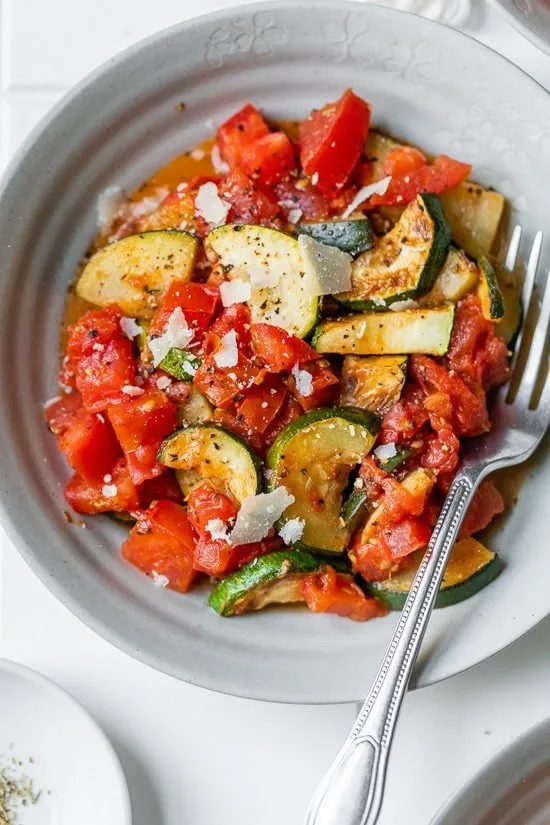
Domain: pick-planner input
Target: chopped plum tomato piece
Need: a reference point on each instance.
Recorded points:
(197, 302)
(61, 412)
(278, 349)
(95, 327)
(406, 536)
(433, 178)
(164, 486)
(332, 592)
(261, 405)
(268, 159)
(90, 445)
(249, 202)
(486, 504)
(320, 391)
(222, 385)
(238, 131)
(476, 352)
(217, 557)
(300, 196)
(140, 424)
(402, 160)
(405, 419)
(119, 495)
(239, 426)
(161, 544)
(205, 504)
(290, 411)
(331, 141)
(236, 317)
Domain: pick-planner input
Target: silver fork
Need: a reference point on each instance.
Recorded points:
(352, 790)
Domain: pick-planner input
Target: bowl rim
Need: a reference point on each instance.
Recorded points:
(112, 634)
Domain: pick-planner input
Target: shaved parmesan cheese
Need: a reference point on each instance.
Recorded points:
(163, 382)
(51, 402)
(130, 327)
(304, 381)
(292, 530)
(294, 215)
(262, 276)
(236, 291)
(385, 451)
(315, 178)
(197, 154)
(217, 162)
(397, 306)
(228, 354)
(109, 203)
(109, 490)
(107, 478)
(159, 579)
(210, 206)
(366, 192)
(258, 514)
(128, 389)
(327, 267)
(176, 334)
(217, 529)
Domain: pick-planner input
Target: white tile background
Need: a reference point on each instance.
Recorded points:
(192, 757)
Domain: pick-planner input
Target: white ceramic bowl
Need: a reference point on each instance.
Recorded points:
(531, 18)
(440, 89)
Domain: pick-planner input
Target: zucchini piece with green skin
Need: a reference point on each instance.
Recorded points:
(313, 457)
(471, 567)
(351, 235)
(353, 508)
(488, 292)
(210, 452)
(458, 276)
(195, 410)
(256, 254)
(181, 364)
(404, 263)
(396, 460)
(273, 578)
(136, 271)
(372, 382)
(387, 333)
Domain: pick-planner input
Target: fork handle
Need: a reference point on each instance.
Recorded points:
(352, 790)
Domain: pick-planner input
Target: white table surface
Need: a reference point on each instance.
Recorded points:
(193, 757)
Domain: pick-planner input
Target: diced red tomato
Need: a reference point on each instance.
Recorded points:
(268, 159)
(223, 385)
(332, 592)
(403, 421)
(476, 352)
(324, 386)
(249, 202)
(238, 131)
(101, 376)
(217, 557)
(402, 160)
(90, 446)
(289, 412)
(236, 317)
(198, 303)
(178, 392)
(240, 427)
(331, 140)
(406, 536)
(205, 504)
(278, 349)
(261, 405)
(486, 504)
(373, 559)
(61, 413)
(441, 451)
(162, 542)
(90, 498)
(163, 486)
(435, 178)
(93, 328)
(302, 195)
(140, 425)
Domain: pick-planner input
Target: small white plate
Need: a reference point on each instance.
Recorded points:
(73, 764)
(531, 18)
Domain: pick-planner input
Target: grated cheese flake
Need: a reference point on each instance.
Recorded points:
(163, 382)
(210, 206)
(228, 353)
(292, 530)
(51, 401)
(109, 490)
(315, 178)
(130, 327)
(159, 579)
(327, 267)
(397, 306)
(294, 215)
(109, 203)
(258, 514)
(304, 381)
(176, 334)
(217, 529)
(132, 391)
(236, 291)
(217, 162)
(197, 154)
(366, 192)
(385, 451)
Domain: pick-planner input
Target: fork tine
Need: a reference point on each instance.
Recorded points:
(513, 248)
(527, 289)
(529, 378)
